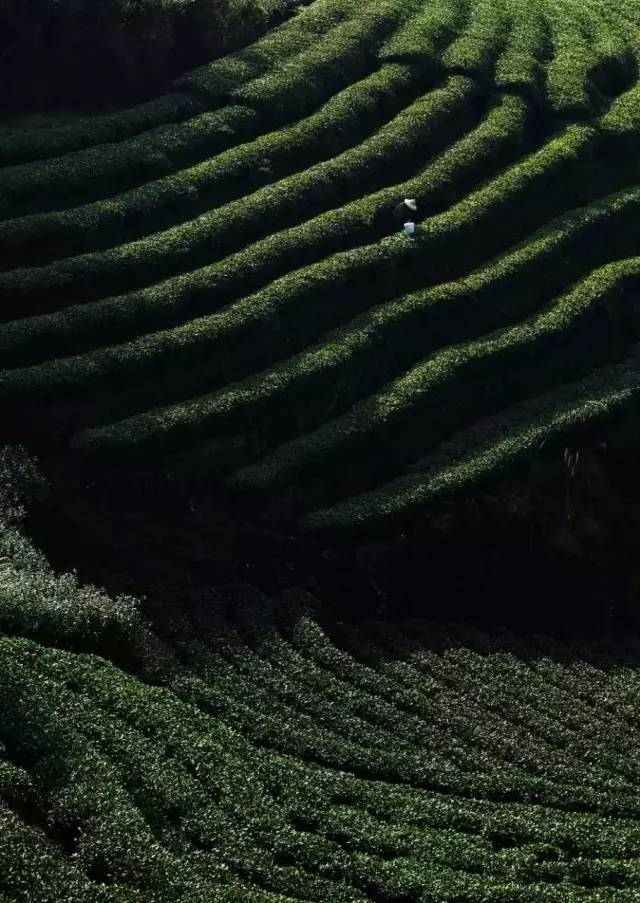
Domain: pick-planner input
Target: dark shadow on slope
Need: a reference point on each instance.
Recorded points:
(541, 551)
(611, 77)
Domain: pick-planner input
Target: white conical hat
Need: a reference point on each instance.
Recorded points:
(411, 203)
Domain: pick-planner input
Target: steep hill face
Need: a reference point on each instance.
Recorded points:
(217, 286)
(257, 753)
(233, 362)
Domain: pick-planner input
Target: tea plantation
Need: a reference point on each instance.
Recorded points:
(263, 756)
(217, 278)
(214, 287)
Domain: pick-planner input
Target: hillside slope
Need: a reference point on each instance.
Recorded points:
(261, 755)
(211, 291)
(215, 283)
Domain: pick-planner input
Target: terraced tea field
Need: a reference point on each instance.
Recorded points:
(215, 280)
(260, 757)
(213, 287)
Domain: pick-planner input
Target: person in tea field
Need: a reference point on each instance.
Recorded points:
(404, 211)
(400, 216)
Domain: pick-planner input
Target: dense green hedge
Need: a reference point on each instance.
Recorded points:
(287, 43)
(370, 264)
(24, 145)
(102, 171)
(589, 325)
(21, 180)
(520, 65)
(474, 52)
(478, 455)
(445, 314)
(271, 205)
(345, 54)
(590, 55)
(426, 33)
(222, 177)
(481, 151)
(556, 162)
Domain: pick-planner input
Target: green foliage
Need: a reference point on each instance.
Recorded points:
(24, 145)
(101, 170)
(346, 53)
(474, 51)
(443, 388)
(478, 456)
(214, 181)
(289, 42)
(264, 757)
(520, 64)
(20, 483)
(163, 422)
(430, 114)
(229, 277)
(220, 273)
(422, 38)
(217, 79)
(98, 171)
